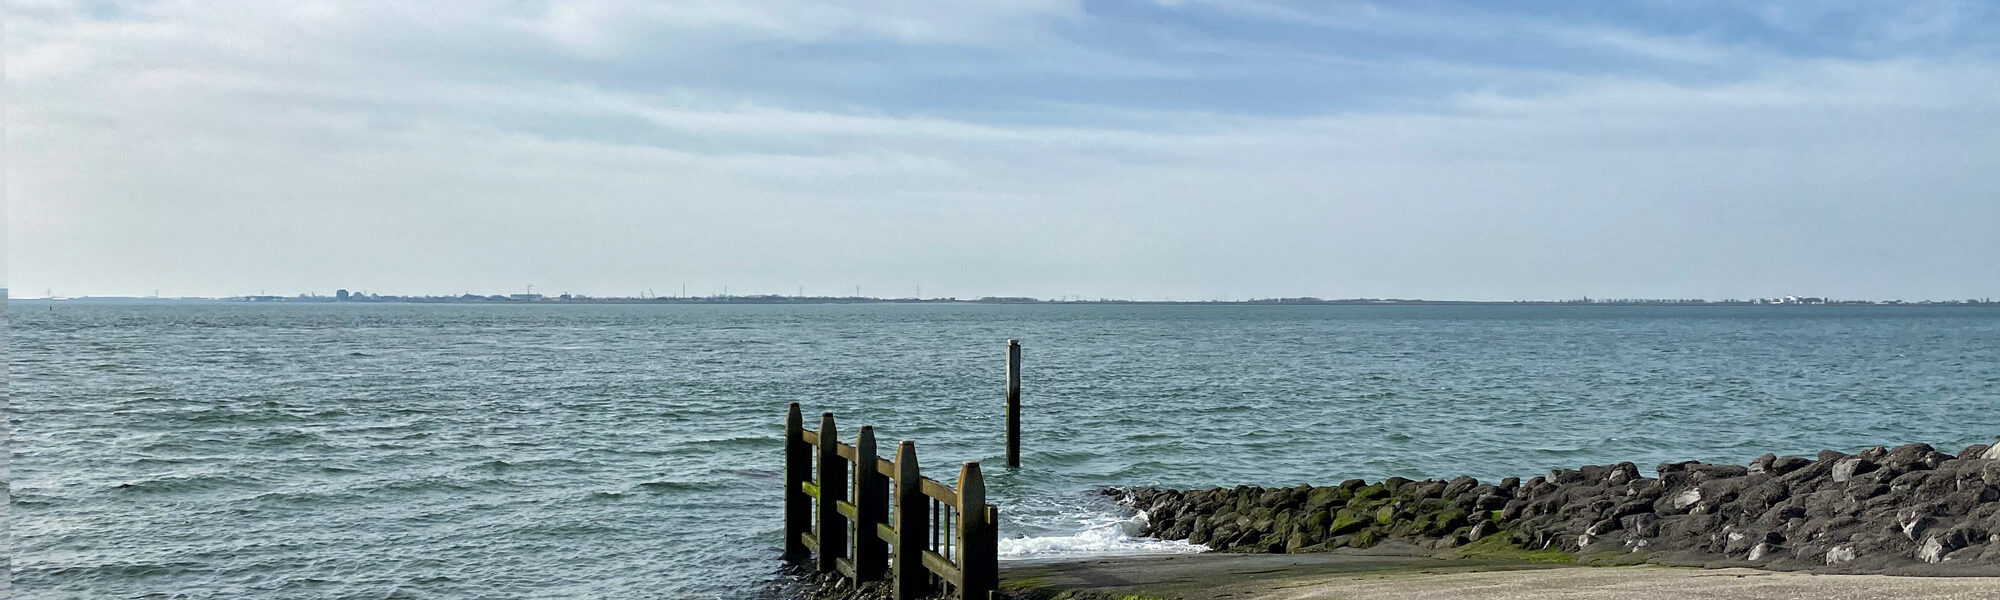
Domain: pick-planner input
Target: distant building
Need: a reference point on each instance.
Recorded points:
(340, 295)
(524, 297)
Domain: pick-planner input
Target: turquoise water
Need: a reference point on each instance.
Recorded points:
(469, 451)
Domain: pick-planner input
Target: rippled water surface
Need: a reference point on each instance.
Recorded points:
(469, 451)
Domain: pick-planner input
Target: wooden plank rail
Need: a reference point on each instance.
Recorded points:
(939, 491)
(920, 534)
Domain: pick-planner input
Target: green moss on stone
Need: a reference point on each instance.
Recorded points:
(1500, 545)
(1318, 521)
(1443, 522)
(1325, 496)
(1347, 521)
(1371, 492)
(1365, 539)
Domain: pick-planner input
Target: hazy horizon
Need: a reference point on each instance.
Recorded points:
(1142, 150)
(648, 296)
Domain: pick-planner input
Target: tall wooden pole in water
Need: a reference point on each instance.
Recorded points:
(1013, 403)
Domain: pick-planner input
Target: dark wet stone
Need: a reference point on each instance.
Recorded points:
(1881, 510)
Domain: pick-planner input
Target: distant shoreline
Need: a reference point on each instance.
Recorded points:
(823, 300)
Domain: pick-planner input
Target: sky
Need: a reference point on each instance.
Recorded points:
(1181, 149)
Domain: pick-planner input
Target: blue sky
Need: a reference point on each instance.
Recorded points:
(1181, 149)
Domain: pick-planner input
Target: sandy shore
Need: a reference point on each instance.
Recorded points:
(1339, 576)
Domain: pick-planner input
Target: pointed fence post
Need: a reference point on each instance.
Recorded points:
(798, 471)
(912, 516)
(978, 559)
(832, 532)
(1013, 403)
(871, 510)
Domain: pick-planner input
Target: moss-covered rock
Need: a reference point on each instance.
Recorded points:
(1347, 521)
(1903, 510)
(1499, 547)
(1327, 496)
(1370, 492)
(1365, 539)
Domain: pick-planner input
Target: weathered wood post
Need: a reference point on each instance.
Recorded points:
(913, 581)
(977, 558)
(798, 472)
(992, 537)
(871, 510)
(832, 534)
(1013, 403)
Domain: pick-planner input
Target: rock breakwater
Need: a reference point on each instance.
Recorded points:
(1907, 510)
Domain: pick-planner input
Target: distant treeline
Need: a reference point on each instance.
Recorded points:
(344, 296)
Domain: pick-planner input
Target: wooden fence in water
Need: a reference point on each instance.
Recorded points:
(868, 518)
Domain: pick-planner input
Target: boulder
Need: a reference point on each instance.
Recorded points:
(1973, 451)
(1762, 464)
(1787, 464)
(1913, 457)
(1459, 487)
(1897, 510)
(1847, 468)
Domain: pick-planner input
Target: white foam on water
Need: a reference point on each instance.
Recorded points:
(1101, 536)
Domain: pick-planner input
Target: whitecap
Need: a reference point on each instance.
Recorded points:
(1109, 536)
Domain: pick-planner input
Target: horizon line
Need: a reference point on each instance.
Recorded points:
(532, 298)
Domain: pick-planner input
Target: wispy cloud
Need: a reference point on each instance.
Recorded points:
(609, 147)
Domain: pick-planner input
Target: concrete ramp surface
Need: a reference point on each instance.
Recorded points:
(1340, 576)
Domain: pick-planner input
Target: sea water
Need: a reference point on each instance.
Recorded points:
(230, 450)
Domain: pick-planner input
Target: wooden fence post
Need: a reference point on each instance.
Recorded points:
(977, 555)
(871, 510)
(832, 532)
(798, 470)
(818, 512)
(992, 537)
(913, 581)
(1014, 403)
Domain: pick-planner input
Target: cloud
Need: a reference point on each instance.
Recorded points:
(303, 147)
(1674, 49)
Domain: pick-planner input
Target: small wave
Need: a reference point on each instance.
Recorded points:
(530, 463)
(1116, 538)
(671, 486)
(746, 442)
(755, 473)
(286, 438)
(294, 497)
(1062, 457)
(178, 484)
